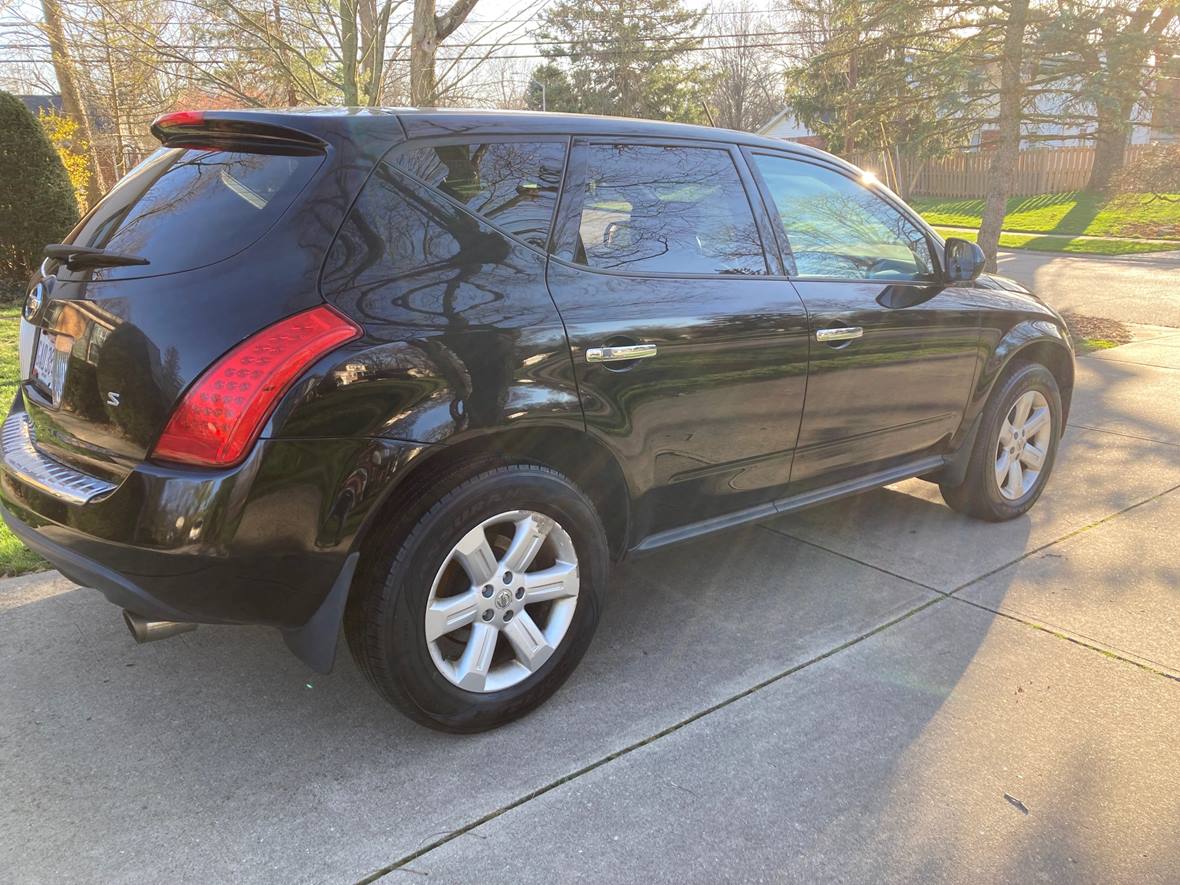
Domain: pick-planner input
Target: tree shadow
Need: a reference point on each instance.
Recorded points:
(1080, 216)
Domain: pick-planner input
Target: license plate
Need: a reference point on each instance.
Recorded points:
(49, 363)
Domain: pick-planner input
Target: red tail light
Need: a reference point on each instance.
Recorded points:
(220, 417)
(180, 118)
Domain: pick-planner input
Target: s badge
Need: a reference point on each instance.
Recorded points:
(112, 398)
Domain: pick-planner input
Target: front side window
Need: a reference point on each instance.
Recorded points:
(511, 184)
(837, 228)
(660, 209)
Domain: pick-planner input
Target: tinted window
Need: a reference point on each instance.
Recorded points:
(667, 209)
(184, 208)
(406, 252)
(838, 228)
(511, 184)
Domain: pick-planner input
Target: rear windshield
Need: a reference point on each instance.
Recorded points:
(184, 208)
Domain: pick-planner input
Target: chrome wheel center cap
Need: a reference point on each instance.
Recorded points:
(503, 599)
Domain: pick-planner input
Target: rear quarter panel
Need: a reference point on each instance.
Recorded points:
(461, 335)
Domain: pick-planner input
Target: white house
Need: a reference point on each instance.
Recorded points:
(784, 125)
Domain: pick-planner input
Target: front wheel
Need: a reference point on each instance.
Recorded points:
(487, 604)
(1015, 449)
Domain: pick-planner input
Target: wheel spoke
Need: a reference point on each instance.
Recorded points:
(474, 554)
(446, 615)
(531, 533)
(1036, 422)
(471, 670)
(1032, 457)
(556, 582)
(531, 647)
(1003, 463)
(1016, 478)
(1022, 408)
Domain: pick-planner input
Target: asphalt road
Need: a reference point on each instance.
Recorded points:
(877, 690)
(1132, 288)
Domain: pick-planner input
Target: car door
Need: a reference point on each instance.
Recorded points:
(894, 351)
(689, 345)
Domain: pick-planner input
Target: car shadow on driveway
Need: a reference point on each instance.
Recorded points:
(221, 738)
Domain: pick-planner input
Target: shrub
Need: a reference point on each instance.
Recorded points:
(37, 204)
(71, 147)
(1156, 172)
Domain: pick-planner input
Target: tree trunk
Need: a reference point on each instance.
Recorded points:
(374, 30)
(1007, 153)
(115, 102)
(288, 74)
(426, 32)
(71, 97)
(1110, 143)
(348, 46)
(423, 46)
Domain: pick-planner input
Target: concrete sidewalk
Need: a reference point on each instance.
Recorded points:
(874, 690)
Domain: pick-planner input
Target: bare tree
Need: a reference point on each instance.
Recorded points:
(71, 97)
(744, 78)
(427, 31)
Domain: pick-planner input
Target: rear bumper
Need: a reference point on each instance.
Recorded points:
(90, 573)
(266, 542)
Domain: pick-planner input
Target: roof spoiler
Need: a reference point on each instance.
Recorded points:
(228, 129)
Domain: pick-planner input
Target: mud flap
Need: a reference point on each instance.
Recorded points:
(315, 642)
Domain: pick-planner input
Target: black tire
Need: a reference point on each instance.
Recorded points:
(385, 619)
(979, 495)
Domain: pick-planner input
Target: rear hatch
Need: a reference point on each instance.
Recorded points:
(201, 261)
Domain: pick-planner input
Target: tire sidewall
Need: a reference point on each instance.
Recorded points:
(408, 583)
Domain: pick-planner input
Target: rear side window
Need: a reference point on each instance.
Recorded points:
(184, 208)
(511, 184)
(670, 209)
(404, 252)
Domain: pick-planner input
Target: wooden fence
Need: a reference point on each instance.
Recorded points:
(1039, 171)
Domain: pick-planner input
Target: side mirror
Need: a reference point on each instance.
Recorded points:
(963, 261)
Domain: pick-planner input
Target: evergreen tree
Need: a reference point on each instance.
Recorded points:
(37, 204)
(549, 90)
(626, 59)
(882, 75)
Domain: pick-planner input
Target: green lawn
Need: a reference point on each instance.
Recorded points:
(1072, 213)
(15, 557)
(1073, 245)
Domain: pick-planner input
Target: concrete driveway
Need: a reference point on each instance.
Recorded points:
(874, 690)
(1132, 288)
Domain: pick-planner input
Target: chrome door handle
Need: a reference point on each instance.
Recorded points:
(843, 333)
(620, 354)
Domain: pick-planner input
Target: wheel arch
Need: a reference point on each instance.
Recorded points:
(1058, 359)
(1031, 341)
(573, 453)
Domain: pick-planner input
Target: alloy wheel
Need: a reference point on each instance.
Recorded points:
(502, 601)
(1023, 445)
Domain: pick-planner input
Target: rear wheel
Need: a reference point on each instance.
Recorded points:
(477, 613)
(1014, 450)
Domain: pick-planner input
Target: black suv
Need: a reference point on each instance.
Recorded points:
(425, 374)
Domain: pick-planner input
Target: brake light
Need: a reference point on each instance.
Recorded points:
(179, 118)
(222, 414)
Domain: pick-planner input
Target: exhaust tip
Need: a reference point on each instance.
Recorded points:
(144, 630)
